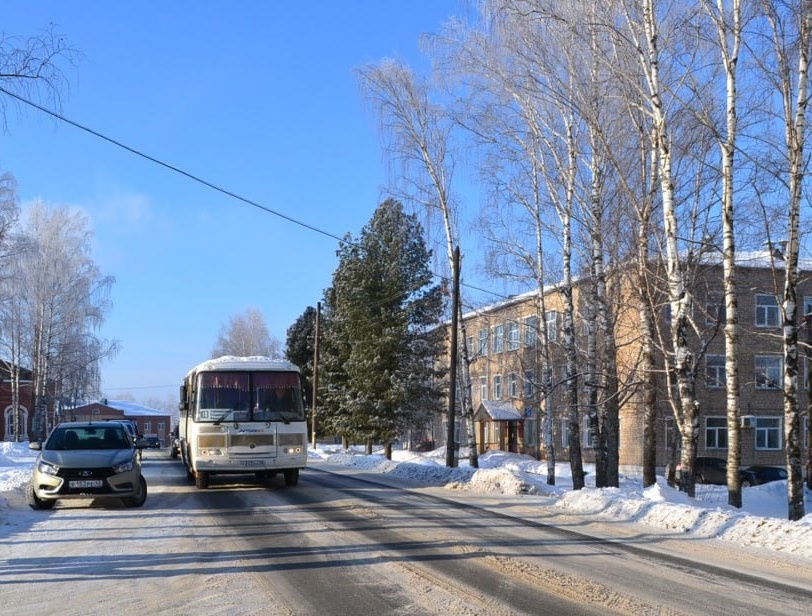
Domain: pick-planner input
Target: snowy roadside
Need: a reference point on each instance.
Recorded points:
(761, 522)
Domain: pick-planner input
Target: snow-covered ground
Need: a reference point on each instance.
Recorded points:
(762, 521)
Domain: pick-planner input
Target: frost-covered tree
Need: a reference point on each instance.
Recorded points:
(380, 332)
(246, 334)
(299, 348)
(58, 300)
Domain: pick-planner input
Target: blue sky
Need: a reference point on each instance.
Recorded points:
(257, 97)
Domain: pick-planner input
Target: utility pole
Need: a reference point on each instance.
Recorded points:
(315, 376)
(451, 454)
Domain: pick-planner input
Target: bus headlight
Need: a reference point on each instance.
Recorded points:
(211, 452)
(292, 450)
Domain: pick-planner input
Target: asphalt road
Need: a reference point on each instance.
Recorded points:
(340, 543)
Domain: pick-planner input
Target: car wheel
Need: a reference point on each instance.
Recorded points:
(35, 502)
(699, 478)
(746, 483)
(201, 480)
(292, 477)
(140, 496)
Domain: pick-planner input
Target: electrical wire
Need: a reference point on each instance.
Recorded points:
(208, 184)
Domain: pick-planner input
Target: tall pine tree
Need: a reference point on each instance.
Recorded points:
(380, 334)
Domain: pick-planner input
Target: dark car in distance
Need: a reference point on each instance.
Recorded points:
(152, 442)
(707, 470)
(758, 475)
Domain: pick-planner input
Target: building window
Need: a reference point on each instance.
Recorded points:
(768, 371)
(513, 336)
(513, 386)
(767, 312)
(147, 427)
(483, 388)
(589, 441)
(551, 321)
(469, 346)
(529, 383)
(531, 329)
(565, 433)
(716, 433)
(672, 435)
(498, 338)
(161, 428)
(483, 342)
(497, 387)
(768, 433)
(715, 312)
(715, 371)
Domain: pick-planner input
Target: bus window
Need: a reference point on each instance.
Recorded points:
(277, 397)
(223, 395)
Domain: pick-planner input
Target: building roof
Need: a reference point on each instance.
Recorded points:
(131, 409)
(497, 411)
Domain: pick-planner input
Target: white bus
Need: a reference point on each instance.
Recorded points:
(242, 415)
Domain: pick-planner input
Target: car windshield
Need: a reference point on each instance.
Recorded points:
(88, 437)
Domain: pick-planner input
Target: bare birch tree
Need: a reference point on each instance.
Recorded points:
(790, 32)
(418, 132)
(65, 303)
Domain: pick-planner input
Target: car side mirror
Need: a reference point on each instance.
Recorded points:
(35, 445)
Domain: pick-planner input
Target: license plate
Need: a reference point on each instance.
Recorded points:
(251, 463)
(86, 483)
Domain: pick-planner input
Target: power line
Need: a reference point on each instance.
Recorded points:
(169, 166)
(199, 180)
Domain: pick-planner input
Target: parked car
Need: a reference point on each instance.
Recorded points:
(757, 475)
(86, 460)
(152, 442)
(707, 470)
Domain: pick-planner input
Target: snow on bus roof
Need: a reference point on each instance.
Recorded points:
(254, 362)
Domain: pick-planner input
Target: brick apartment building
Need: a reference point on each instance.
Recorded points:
(503, 340)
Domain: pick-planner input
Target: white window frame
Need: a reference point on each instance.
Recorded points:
(716, 432)
(513, 336)
(513, 388)
(768, 371)
(715, 375)
(531, 331)
(715, 308)
(482, 349)
(769, 434)
(768, 311)
(497, 386)
(483, 388)
(551, 323)
(529, 383)
(498, 338)
(589, 437)
(565, 433)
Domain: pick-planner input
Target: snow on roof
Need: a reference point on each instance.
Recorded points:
(499, 411)
(133, 408)
(255, 362)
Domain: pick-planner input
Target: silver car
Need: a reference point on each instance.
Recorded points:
(87, 460)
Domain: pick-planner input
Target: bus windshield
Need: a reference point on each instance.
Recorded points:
(249, 396)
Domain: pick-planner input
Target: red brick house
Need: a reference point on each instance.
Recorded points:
(149, 422)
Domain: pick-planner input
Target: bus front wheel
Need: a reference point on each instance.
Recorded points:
(201, 480)
(291, 477)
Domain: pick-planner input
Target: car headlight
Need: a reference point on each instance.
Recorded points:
(48, 469)
(123, 468)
